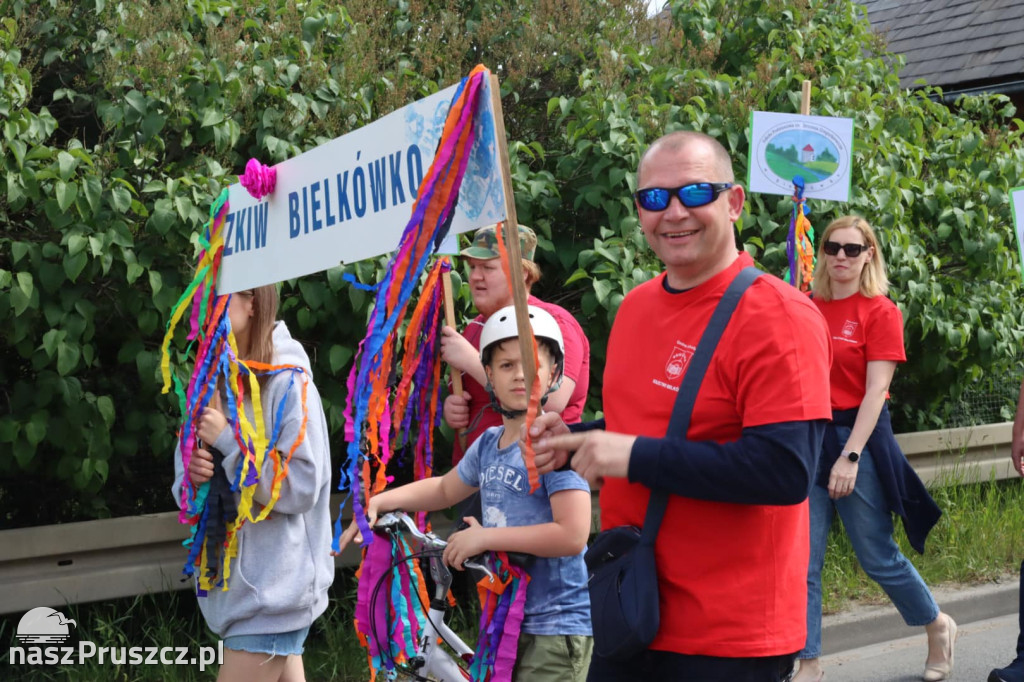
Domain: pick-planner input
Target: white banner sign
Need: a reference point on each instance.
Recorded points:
(1017, 208)
(817, 148)
(351, 198)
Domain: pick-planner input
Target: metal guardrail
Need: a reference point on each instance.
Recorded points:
(98, 560)
(965, 455)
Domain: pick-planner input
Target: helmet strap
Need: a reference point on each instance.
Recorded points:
(499, 408)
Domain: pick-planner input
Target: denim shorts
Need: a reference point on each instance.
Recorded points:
(278, 644)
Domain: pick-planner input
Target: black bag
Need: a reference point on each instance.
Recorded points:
(623, 585)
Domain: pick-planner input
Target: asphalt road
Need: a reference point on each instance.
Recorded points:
(980, 647)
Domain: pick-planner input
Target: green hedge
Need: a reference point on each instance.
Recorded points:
(121, 122)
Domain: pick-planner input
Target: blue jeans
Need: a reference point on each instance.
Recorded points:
(868, 522)
(274, 644)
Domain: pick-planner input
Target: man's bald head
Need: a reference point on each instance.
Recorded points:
(683, 139)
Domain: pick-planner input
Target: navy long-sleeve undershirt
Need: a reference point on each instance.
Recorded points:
(768, 464)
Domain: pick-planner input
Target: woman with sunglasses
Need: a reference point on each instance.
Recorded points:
(862, 474)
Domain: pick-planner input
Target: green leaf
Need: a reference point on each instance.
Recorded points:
(106, 408)
(19, 301)
(137, 101)
(23, 452)
(93, 191)
(51, 339)
(152, 124)
(579, 274)
(67, 357)
(73, 265)
(120, 199)
(134, 271)
(8, 430)
(51, 276)
(26, 284)
(18, 251)
(102, 469)
(211, 117)
(602, 288)
(66, 163)
(184, 207)
(312, 293)
(156, 282)
(35, 429)
(163, 217)
(339, 356)
(66, 193)
(77, 244)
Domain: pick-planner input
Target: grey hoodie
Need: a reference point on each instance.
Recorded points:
(279, 579)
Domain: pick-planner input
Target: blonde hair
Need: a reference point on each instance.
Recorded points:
(873, 281)
(264, 314)
(532, 271)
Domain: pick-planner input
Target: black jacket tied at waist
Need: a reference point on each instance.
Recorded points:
(905, 493)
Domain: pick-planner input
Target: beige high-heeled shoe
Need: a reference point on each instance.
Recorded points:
(819, 678)
(936, 672)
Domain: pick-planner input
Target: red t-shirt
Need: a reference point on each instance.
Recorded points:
(732, 577)
(577, 368)
(862, 329)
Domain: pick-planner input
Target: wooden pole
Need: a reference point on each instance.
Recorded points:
(449, 318)
(511, 227)
(805, 110)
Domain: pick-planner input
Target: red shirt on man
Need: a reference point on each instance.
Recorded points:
(732, 577)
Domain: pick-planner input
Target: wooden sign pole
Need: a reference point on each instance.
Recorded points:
(511, 227)
(449, 319)
(805, 110)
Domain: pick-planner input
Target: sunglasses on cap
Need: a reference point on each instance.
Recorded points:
(691, 196)
(851, 250)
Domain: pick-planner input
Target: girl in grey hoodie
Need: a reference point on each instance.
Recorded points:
(279, 580)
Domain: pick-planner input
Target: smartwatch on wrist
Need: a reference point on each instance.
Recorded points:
(851, 455)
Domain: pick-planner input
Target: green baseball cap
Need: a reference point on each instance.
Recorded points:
(485, 243)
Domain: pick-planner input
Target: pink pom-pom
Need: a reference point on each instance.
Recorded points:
(258, 180)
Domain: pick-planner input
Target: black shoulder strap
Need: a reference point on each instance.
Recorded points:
(683, 409)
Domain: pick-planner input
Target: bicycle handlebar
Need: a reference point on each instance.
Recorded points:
(397, 522)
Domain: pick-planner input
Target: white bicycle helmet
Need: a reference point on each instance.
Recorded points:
(502, 325)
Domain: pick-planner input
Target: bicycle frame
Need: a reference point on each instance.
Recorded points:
(432, 660)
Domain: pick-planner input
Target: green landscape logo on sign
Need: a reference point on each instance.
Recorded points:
(815, 148)
(807, 154)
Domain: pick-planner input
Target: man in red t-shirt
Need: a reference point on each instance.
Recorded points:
(733, 547)
(472, 411)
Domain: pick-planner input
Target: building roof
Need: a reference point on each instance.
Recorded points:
(954, 44)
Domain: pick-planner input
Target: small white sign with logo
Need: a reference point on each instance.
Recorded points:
(817, 148)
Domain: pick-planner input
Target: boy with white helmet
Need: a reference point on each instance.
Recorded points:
(552, 524)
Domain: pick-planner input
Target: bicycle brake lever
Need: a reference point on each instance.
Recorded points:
(479, 567)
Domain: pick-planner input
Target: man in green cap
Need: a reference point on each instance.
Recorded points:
(472, 410)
